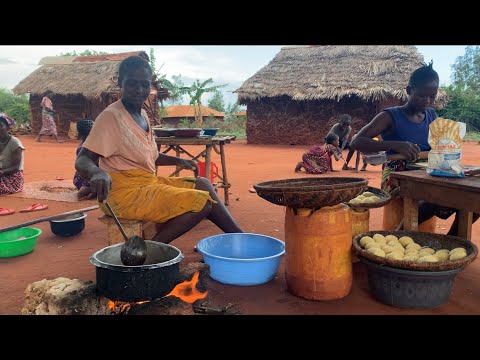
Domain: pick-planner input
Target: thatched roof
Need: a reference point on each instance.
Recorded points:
(89, 76)
(181, 111)
(371, 72)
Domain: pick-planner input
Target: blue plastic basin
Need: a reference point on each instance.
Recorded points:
(242, 258)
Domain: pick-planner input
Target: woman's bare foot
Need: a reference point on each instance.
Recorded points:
(346, 167)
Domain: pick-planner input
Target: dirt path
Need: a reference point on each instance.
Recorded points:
(247, 164)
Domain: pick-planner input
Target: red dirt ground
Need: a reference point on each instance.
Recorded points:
(247, 164)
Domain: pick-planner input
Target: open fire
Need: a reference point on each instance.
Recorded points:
(186, 291)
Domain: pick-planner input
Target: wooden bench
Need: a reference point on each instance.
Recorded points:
(144, 229)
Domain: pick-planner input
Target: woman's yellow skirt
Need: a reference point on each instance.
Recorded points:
(140, 195)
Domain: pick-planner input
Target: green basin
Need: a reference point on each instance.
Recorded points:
(11, 246)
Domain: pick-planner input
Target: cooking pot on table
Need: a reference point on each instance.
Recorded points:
(154, 279)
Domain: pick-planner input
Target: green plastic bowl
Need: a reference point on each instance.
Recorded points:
(10, 246)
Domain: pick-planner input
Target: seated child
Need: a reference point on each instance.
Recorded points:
(84, 191)
(318, 159)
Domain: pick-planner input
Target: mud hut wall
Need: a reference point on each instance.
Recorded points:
(289, 122)
(68, 108)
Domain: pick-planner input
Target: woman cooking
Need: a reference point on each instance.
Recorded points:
(11, 158)
(122, 140)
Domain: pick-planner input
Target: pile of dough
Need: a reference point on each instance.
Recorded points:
(405, 248)
(366, 198)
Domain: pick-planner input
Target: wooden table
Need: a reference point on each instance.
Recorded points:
(216, 143)
(459, 193)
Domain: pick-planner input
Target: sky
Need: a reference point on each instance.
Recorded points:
(229, 64)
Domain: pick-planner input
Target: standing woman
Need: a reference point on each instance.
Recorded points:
(11, 158)
(48, 122)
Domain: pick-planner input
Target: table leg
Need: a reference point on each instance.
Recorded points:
(226, 185)
(208, 159)
(410, 214)
(465, 224)
(177, 154)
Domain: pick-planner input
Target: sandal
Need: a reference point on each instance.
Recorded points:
(34, 207)
(5, 211)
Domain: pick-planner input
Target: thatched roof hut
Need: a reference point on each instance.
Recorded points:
(300, 94)
(80, 85)
(175, 113)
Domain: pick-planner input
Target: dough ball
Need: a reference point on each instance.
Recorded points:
(375, 198)
(376, 251)
(458, 249)
(405, 240)
(388, 248)
(442, 256)
(368, 194)
(411, 251)
(411, 257)
(379, 236)
(373, 244)
(365, 240)
(391, 237)
(428, 258)
(394, 243)
(457, 255)
(394, 255)
(413, 246)
(426, 251)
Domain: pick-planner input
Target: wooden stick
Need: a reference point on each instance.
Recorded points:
(46, 218)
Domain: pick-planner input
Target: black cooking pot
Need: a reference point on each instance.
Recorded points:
(154, 279)
(68, 225)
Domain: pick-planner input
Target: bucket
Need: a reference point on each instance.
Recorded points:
(318, 262)
(360, 225)
(213, 170)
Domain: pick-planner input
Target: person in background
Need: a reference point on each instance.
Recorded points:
(343, 130)
(122, 142)
(318, 159)
(11, 158)
(48, 122)
(404, 130)
(83, 186)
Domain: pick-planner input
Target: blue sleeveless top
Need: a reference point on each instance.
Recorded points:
(405, 130)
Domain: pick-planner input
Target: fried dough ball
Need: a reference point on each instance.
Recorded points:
(365, 240)
(426, 251)
(373, 244)
(413, 246)
(457, 255)
(405, 240)
(428, 258)
(376, 251)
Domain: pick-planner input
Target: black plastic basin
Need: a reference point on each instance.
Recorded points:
(69, 225)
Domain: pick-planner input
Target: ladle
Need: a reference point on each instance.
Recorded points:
(134, 250)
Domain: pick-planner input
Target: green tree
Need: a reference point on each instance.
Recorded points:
(216, 101)
(466, 70)
(85, 53)
(464, 92)
(152, 60)
(15, 106)
(196, 91)
(176, 90)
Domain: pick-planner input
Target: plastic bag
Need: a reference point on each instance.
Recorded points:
(374, 159)
(445, 139)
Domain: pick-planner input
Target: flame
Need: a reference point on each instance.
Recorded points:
(187, 290)
(120, 307)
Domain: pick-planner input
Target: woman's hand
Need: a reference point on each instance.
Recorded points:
(100, 184)
(409, 150)
(188, 165)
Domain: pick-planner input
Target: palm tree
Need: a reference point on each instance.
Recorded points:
(195, 91)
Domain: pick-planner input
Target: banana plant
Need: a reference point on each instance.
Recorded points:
(196, 91)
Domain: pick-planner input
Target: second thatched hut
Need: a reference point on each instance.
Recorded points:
(302, 92)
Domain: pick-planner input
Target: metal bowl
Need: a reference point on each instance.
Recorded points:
(69, 225)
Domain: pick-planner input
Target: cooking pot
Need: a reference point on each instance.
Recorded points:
(154, 279)
(68, 225)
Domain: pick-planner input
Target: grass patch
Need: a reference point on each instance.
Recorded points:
(472, 136)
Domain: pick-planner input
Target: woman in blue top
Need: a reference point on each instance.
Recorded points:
(404, 130)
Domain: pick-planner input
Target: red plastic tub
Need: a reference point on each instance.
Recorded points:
(213, 170)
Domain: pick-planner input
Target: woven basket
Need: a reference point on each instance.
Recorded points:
(384, 200)
(434, 241)
(311, 193)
